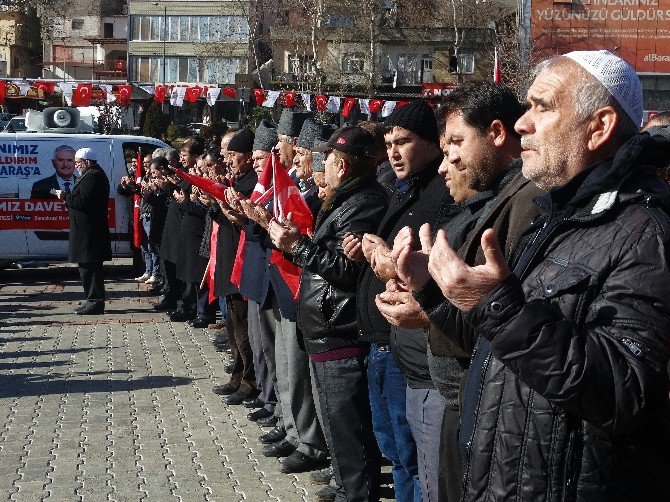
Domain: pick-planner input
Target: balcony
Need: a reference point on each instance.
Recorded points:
(116, 69)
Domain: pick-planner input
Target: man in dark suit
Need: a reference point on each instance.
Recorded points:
(63, 179)
(90, 243)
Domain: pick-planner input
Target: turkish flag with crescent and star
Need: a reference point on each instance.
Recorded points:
(124, 95)
(376, 105)
(193, 93)
(321, 101)
(259, 95)
(82, 95)
(160, 93)
(47, 87)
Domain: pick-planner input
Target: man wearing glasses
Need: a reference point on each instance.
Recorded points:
(89, 244)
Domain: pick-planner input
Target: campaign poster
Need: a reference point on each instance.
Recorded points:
(636, 30)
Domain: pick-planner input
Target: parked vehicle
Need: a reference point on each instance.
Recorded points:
(34, 223)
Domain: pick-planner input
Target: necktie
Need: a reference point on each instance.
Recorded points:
(67, 187)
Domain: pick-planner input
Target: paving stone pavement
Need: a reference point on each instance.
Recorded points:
(119, 407)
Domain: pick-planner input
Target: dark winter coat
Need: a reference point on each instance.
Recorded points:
(190, 265)
(87, 204)
(422, 204)
(572, 403)
(327, 304)
(170, 245)
(228, 238)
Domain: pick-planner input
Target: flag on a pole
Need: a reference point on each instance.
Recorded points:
(137, 200)
(496, 68)
(287, 199)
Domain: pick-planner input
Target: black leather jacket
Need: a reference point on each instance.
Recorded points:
(573, 399)
(327, 305)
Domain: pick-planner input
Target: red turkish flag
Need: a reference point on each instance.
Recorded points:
(287, 199)
(3, 90)
(82, 95)
(231, 92)
(321, 101)
(193, 93)
(160, 93)
(376, 105)
(47, 87)
(124, 95)
(259, 94)
(289, 99)
(348, 106)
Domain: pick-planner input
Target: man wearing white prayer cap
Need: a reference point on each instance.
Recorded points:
(566, 397)
(89, 241)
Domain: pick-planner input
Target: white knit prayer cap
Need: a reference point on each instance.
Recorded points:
(618, 77)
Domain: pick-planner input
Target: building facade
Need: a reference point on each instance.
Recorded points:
(198, 41)
(86, 40)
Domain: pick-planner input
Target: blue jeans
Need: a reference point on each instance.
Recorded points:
(151, 258)
(387, 388)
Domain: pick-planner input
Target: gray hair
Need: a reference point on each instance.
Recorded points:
(171, 154)
(64, 148)
(592, 96)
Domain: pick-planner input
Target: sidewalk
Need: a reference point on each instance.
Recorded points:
(119, 406)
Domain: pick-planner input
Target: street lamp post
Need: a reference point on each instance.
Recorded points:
(164, 36)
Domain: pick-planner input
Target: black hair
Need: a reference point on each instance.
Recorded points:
(482, 102)
(213, 153)
(194, 146)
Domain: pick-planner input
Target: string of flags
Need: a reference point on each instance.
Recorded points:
(85, 94)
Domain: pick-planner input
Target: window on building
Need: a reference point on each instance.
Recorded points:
(353, 62)
(108, 30)
(77, 24)
(409, 69)
(300, 64)
(463, 64)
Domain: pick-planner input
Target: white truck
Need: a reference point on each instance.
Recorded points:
(33, 223)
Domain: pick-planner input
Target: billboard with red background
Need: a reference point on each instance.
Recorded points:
(636, 30)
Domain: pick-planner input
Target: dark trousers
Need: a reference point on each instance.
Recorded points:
(342, 390)
(205, 309)
(92, 279)
(451, 465)
(173, 285)
(189, 297)
(243, 376)
(265, 379)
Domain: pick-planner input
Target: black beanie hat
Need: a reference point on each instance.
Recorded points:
(416, 116)
(242, 142)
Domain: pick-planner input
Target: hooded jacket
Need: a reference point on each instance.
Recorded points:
(571, 401)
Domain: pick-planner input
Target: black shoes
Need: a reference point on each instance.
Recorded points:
(165, 305)
(258, 414)
(275, 435)
(325, 494)
(270, 421)
(200, 322)
(224, 390)
(91, 309)
(181, 315)
(321, 477)
(228, 368)
(299, 462)
(237, 397)
(253, 402)
(281, 449)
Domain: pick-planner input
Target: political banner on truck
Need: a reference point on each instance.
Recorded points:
(36, 214)
(636, 30)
